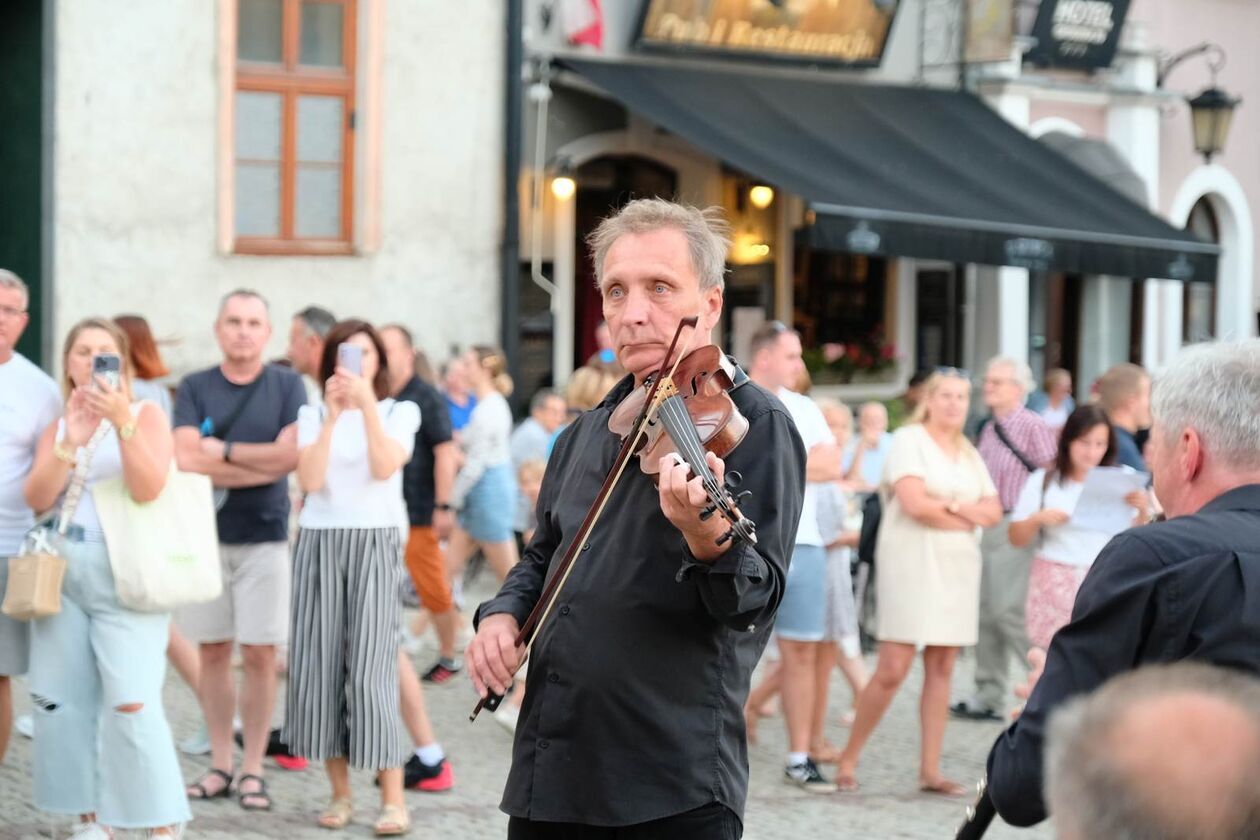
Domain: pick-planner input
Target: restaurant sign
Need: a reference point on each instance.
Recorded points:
(851, 32)
(1080, 34)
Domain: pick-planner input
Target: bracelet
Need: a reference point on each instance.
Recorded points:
(66, 456)
(227, 452)
(128, 430)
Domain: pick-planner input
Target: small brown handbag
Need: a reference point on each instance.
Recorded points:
(35, 575)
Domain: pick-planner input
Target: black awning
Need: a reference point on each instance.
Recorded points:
(913, 172)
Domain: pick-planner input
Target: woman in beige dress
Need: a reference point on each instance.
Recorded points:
(937, 495)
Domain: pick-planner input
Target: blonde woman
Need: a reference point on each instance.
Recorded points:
(937, 496)
(485, 489)
(103, 749)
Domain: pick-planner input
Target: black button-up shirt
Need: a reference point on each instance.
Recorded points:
(1188, 588)
(636, 685)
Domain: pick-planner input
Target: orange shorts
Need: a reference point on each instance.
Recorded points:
(427, 566)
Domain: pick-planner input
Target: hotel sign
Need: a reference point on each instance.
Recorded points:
(851, 32)
(1080, 34)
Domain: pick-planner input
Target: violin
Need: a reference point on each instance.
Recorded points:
(684, 411)
(695, 415)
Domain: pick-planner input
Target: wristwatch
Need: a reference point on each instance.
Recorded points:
(127, 430)
(443, 506)
(227, 451)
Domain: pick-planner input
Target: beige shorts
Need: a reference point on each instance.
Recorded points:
(254, 606)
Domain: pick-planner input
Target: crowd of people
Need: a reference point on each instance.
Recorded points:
(349, 472)
(338, 471)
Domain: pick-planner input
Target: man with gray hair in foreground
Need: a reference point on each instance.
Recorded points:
(1190, 730)
(633, 720)
(1181, 589)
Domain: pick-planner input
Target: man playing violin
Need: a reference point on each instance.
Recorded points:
(632, 724)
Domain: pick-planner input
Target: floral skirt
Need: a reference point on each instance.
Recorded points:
(1051, 594)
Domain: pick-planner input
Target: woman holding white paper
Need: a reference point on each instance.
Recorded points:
(1044, 512)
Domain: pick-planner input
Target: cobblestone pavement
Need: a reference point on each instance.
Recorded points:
(888, 805)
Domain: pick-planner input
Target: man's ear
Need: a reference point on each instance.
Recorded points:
(710, 307)
(1191, 454)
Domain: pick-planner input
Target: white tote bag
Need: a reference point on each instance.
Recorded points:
(164, 553)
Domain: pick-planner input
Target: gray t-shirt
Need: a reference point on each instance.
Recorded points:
(251, 514)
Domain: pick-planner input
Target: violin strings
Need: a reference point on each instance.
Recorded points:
(678, 423)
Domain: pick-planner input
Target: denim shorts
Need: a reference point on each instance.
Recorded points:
(802, 615)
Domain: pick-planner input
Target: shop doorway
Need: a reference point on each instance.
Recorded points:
(605, 185)
(1055, 324)
(939, 317)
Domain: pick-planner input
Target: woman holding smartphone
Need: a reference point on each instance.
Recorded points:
(342, 704)
(97, 667)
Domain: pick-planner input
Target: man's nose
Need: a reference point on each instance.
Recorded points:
(636, 308)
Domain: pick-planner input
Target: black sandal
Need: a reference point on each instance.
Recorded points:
(261, 793)
(200, 785)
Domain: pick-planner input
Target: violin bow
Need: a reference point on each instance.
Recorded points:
(532, 627)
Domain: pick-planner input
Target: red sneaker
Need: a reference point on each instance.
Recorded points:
(428, 778)
(290, 762)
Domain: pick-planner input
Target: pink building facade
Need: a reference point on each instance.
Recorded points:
(1147, 123)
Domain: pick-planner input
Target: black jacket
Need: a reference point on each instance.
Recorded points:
(1188, 588)
(635, 690)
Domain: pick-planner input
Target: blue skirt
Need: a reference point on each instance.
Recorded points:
(490, 506)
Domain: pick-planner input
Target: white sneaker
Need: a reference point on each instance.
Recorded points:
(198, 743)
(90, 831)
(24, 725)
(507, 715)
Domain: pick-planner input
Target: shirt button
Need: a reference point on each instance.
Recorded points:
(553, 677)
(542, 745)
(586, 547)
(565, 610)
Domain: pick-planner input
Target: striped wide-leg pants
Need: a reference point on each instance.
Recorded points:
(342, 698)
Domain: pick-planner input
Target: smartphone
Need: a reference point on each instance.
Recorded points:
(350, 357)
(108, 366)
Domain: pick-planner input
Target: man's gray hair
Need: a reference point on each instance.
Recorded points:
(1020, 371)
(707, 231)
(243, 293)
(1215, 390)
(9, 280)
(1095, 789)
(319, 322)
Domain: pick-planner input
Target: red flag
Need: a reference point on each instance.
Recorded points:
(583, 22)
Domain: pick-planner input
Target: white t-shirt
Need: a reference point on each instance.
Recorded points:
(29, 402)
(351, 497)
(1066, 543)
(813, 429)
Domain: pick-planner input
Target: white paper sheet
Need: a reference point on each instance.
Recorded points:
(1102, 506)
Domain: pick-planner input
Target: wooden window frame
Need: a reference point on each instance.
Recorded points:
(291, 79)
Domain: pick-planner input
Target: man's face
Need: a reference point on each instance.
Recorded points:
(649, 285)
(243, 329)
(550, 415)
(304, 348)
(13, 319)
(1167, 461)
(779, 365)
(399, 354)
(1001, 389)
(873, 421)
(1142, 404)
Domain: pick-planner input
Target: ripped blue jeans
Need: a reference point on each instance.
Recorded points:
(87, 661)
